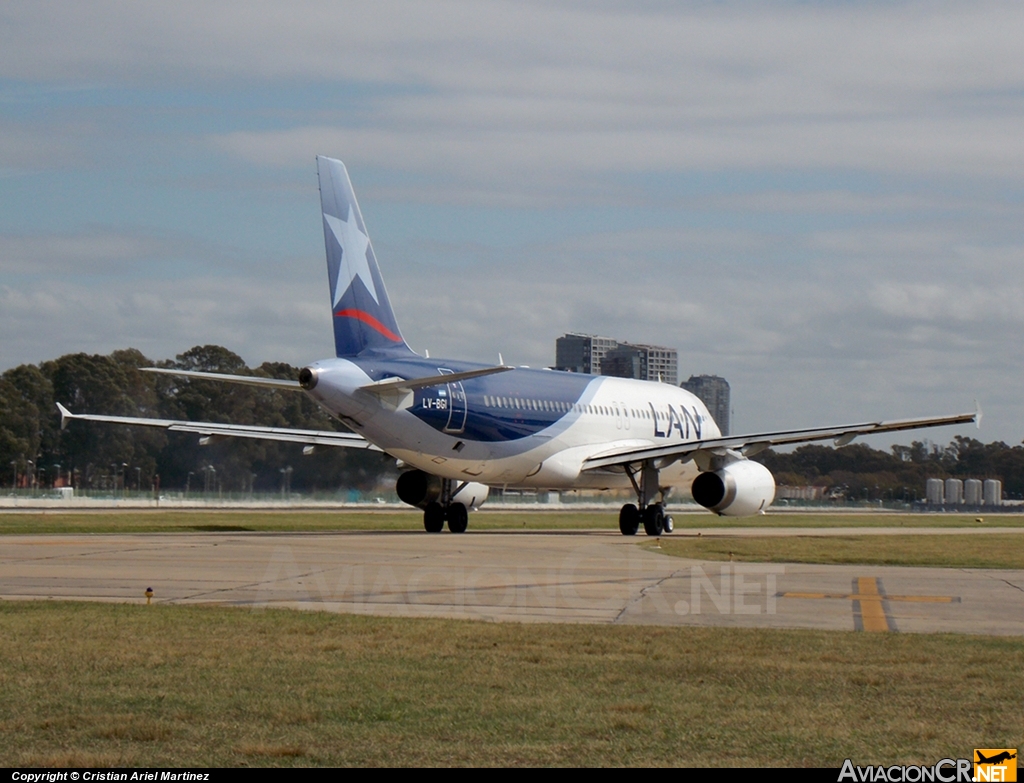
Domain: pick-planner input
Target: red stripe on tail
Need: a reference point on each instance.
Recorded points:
(370, 321)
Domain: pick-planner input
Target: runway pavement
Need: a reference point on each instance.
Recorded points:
(591, 576)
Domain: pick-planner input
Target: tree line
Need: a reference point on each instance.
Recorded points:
(859, 472)
(34, 451)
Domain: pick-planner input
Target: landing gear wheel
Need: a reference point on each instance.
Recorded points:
(433, 518)
(458, 518)
(654, 519)
(629, 519)
(668, 525)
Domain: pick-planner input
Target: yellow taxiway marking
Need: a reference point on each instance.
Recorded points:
(870, 603)
(872, 612)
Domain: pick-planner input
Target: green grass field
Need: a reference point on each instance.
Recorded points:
(191, 521)
(996, 550)
(100, 684)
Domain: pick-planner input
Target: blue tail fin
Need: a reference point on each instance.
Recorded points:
(363, 318)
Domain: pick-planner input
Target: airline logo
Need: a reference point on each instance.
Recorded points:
(354, 244)
(995, 764)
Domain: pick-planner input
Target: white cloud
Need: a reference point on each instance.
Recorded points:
(86, 253)
(272, 320)
(479, 86)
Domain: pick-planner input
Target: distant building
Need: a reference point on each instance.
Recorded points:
(713, 391)
(972, 492)
(992, 492)
(645, 362)
(783, 492)
(584, 353)
(954, 492)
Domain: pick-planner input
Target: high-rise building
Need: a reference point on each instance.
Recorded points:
(589, 353)
(713, 391)
(646, 362)
(575, 352)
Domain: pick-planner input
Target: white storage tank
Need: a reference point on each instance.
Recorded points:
(993, 492)
(933, 491)
(972, 492)
(954, 492)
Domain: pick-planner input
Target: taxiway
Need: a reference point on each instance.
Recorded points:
(588, 576)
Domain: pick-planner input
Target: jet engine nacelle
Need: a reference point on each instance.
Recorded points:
(739, 489)
(418, 488)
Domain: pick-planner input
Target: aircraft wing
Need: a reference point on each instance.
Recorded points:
(752, 444)
(386, 386)
(247, 380)
(207, 430)
(389, 385)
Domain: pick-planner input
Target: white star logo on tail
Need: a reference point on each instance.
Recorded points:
(353, 255)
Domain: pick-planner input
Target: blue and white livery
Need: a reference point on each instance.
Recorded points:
(460, 428)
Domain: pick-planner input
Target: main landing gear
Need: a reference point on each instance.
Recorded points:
(652, 515)
(436, 513)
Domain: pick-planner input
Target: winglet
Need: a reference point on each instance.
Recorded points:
(65, 414)
(977, 414)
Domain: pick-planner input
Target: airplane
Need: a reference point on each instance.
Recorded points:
(996, 759)
(459, 428)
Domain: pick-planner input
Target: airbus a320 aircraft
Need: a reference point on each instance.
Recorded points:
(461, 428)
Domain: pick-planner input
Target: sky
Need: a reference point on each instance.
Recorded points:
(820, 202)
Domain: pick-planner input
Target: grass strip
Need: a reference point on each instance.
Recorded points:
(996, 550)
(241, 520)
(129, 685)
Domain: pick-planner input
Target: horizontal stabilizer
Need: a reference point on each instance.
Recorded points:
(389, 385)
(841, 434)
(247, 380)
(210, 431)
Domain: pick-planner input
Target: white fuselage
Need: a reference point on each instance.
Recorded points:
(611, 414)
